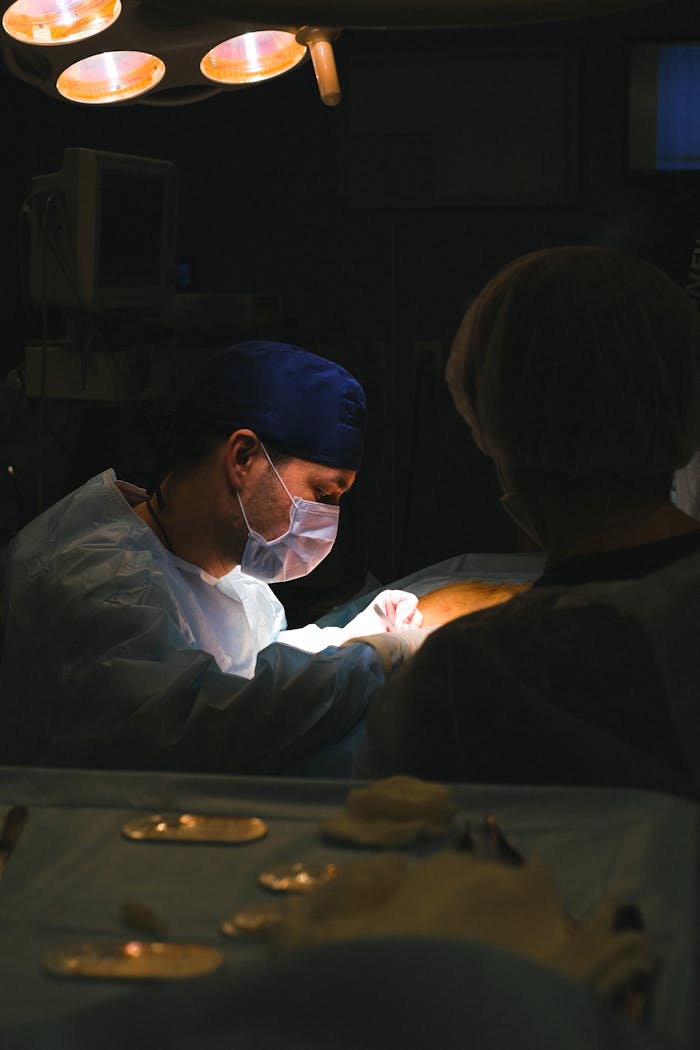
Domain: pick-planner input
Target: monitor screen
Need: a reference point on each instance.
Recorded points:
(664, 107)
(131, 202)
(103, 232)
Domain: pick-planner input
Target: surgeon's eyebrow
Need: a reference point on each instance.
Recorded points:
(338, 481)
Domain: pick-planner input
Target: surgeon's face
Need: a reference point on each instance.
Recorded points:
(267, 505)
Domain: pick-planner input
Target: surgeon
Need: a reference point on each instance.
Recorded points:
(141, 629)
(578, 371)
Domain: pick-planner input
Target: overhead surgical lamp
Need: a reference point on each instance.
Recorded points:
(59, 21)
(164, 52)
(112, 51)
(266, 53)
(111, 77)
(251, 57)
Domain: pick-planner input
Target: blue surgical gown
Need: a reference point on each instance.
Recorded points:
(119, 654)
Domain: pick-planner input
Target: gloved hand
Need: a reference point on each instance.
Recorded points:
(399, 611)
(455, 895)
(603, 957)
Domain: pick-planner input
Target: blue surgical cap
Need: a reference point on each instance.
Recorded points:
(303, 404)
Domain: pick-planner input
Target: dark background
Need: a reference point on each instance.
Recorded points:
(279, 196)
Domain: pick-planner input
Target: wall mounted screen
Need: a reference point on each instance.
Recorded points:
(664, 107)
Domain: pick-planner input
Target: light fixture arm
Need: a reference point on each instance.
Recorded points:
(318, 40)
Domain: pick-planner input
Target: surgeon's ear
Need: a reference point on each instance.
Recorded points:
(242, 448)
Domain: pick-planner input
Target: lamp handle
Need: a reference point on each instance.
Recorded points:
(318, 41)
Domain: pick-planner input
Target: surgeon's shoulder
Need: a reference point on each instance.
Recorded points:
(93, 521)
(90, 558)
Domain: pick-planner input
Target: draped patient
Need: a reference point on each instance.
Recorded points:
(578, 371)
(462, 597)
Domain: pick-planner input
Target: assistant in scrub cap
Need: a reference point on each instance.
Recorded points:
(579, 359)
(303, 404)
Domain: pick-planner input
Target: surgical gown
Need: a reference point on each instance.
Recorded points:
(119, 654)
(597, 683)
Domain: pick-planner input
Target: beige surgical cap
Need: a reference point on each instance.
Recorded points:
(572, 360)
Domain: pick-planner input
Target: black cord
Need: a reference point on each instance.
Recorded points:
(159, 523)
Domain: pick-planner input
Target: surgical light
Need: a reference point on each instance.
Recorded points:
(198, 48)
(110, 77)
(252, 57)
(59, 21)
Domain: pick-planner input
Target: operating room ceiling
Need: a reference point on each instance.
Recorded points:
(409, 14)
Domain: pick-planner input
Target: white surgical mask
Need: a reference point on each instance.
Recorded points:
(312, 530)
